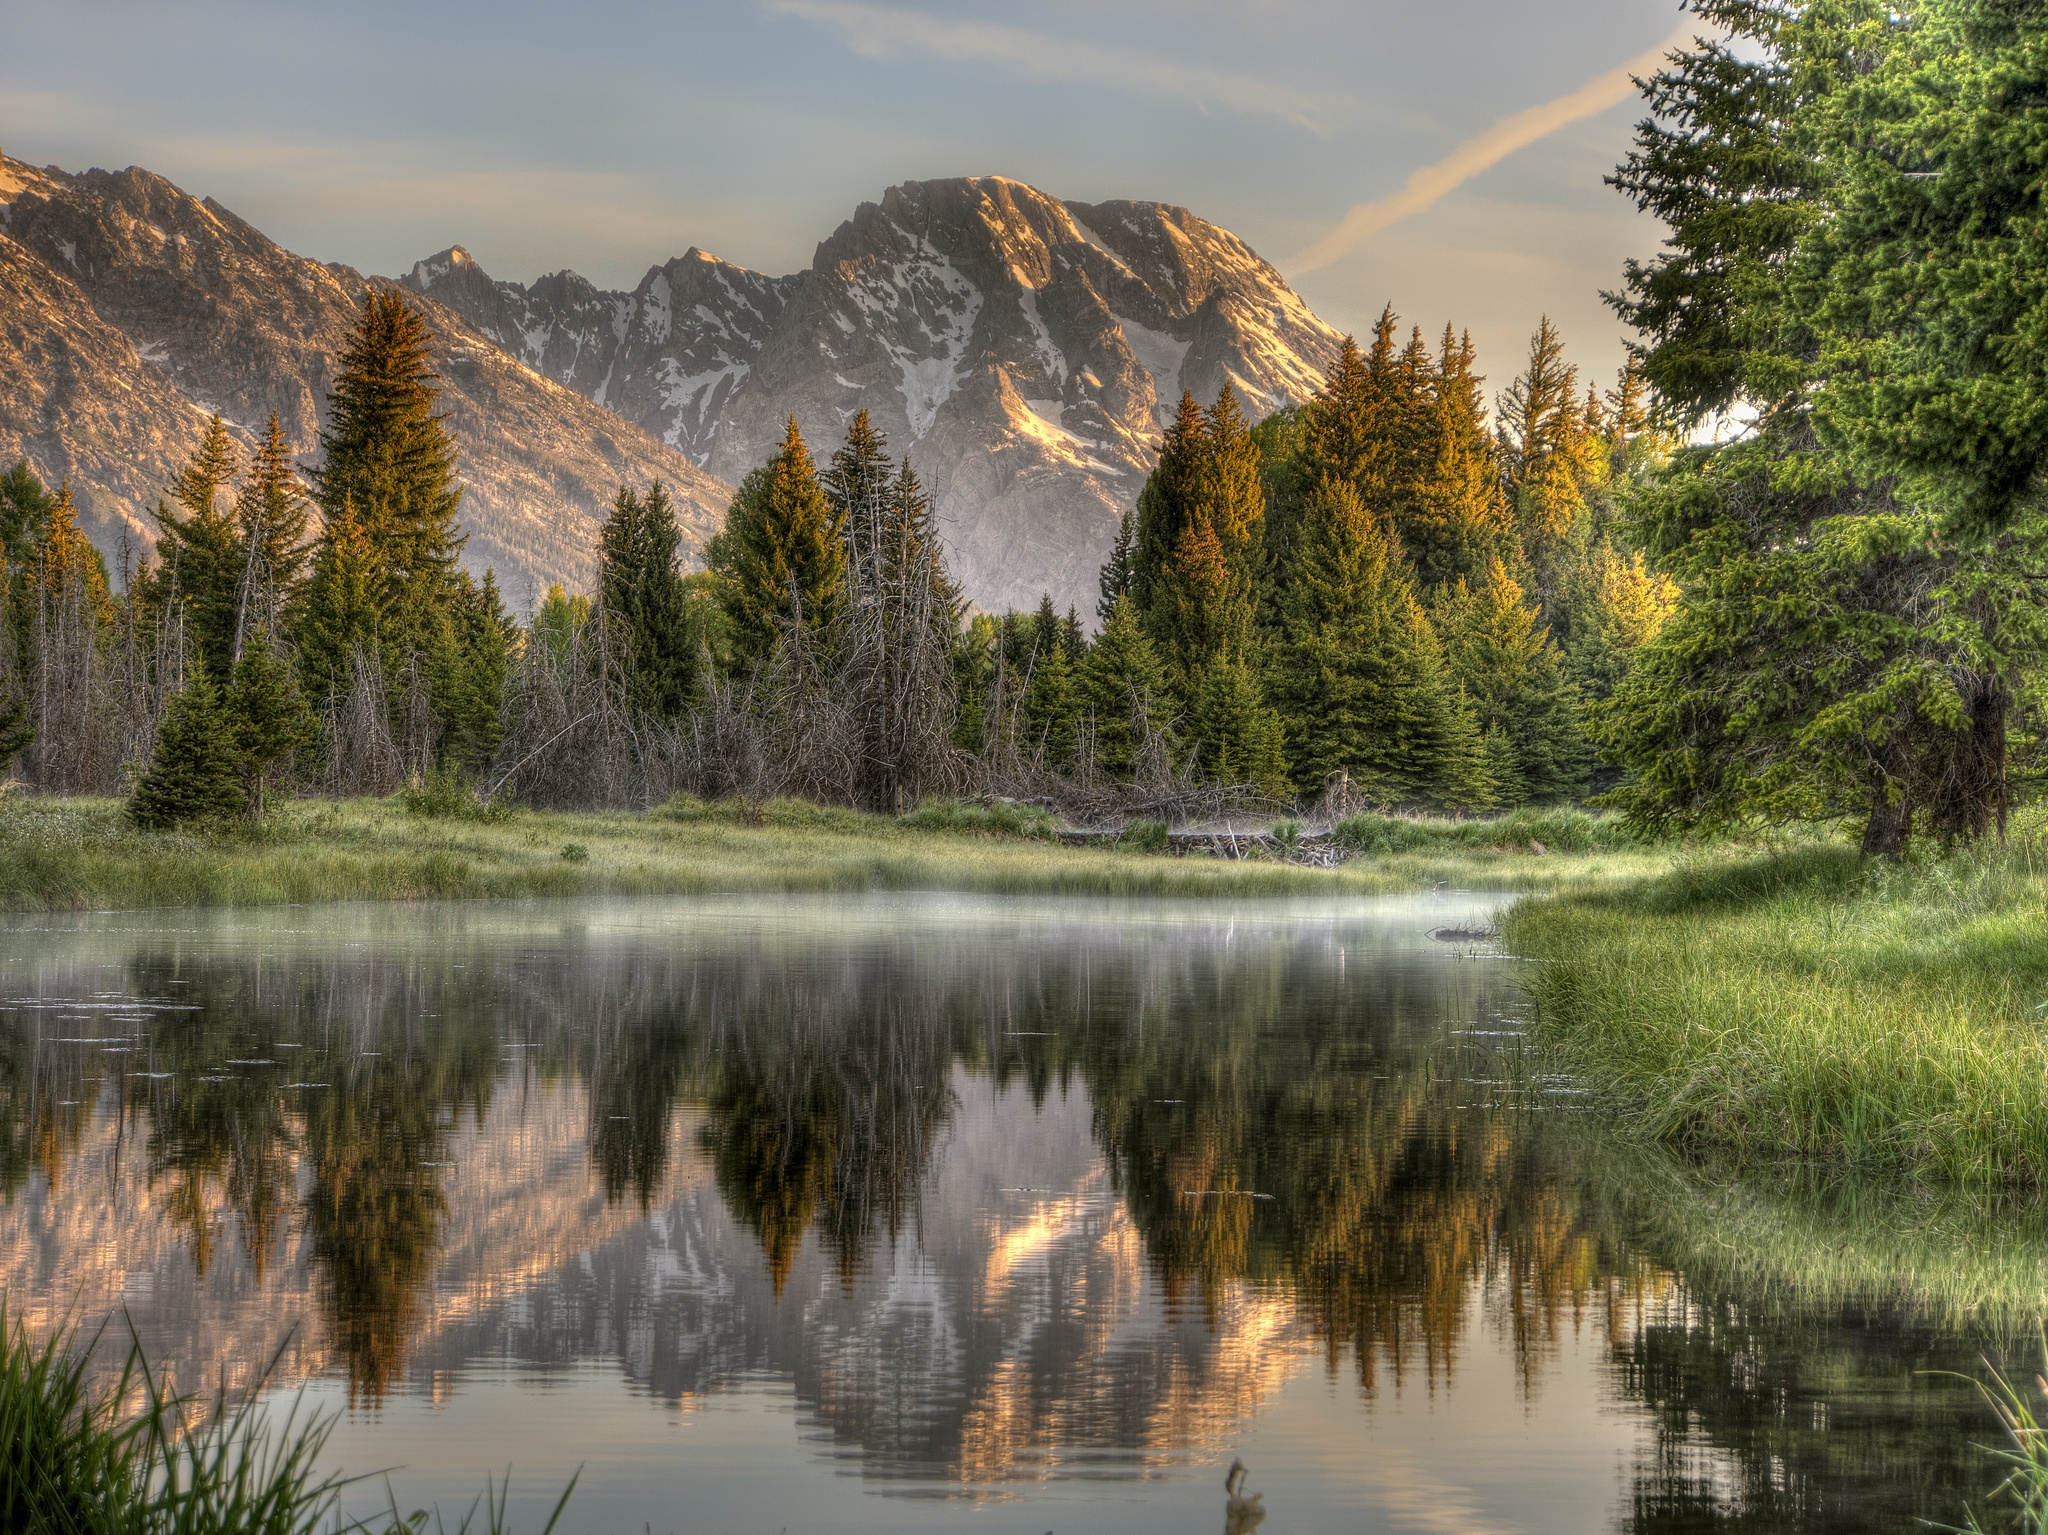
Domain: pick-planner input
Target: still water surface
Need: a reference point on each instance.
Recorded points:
(905, 1212)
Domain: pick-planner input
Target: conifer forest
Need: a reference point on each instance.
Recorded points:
(1375, 599)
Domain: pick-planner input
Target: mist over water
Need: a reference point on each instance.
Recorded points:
(880, 1212)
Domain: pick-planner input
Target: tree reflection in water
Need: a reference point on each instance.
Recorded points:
(1285, 1121)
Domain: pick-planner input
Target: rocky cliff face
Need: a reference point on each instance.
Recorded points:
(1024, 351)
(129, 311)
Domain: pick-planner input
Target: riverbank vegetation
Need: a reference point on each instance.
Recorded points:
(1813, 1005)
(87, 854)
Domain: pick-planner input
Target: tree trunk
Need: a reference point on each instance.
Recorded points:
(1890, 825)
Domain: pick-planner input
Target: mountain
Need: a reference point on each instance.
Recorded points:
(130, 311)
(1024, 351)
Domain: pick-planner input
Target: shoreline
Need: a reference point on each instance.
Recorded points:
(81, 855)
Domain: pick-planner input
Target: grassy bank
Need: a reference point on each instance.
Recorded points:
(81, 854)
(1808, 1005)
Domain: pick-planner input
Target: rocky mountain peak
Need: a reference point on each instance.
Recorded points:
(130, 311)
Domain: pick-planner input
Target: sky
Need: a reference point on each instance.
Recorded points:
(1445, 158)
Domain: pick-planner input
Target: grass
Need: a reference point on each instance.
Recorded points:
(1519, 831)
(81, 854)
(1808, 1005)
(135, 1458)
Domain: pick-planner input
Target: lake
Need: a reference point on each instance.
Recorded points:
(901, 1212)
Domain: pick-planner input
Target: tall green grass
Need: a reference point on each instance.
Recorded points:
(1526, 830)
(136, 1458)
(2024, 1455)
(82, 854)
(1811, 1005)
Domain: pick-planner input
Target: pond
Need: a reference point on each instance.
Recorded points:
(899, 1212)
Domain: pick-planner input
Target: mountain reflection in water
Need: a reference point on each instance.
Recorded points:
(1004, 1194)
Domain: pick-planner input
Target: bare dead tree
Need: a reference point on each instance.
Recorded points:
(571, 737)
(74, 700)
(360, 754)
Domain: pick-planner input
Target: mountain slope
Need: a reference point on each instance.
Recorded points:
(218, 317)
(1025, 352)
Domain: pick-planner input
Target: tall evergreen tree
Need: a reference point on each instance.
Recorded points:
(1115, 580)
(1505, 661)
(477, 658)
(641, 588)
(782, 553)
(344, 607)
(201, 550)
(270, 524)
(1352, 670)
(268, 718)
(857, 483)
(1168, 504)
(1456, 517)
(1121, 690)
(388, 456)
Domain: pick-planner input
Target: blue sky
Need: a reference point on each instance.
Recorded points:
(607, 137)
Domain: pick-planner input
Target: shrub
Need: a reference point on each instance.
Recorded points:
(1144, 837)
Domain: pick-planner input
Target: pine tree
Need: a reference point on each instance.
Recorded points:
(268, 717)
(474, 659)
(389, 458)
(857, 483)
(344, 606)
(1115, 580)
(1353, 670)
(1233, 494)
(1551, 452)
(1353, 429)
(1169, 502)
(193, 772)
(1122, 688)
(1236, 737)
(913, 563)
(640, 587)
(1505, 661)
(1456, 517)
(24, 512)
(1049, 700)
(558, 621)
(782, 554)
(199, 545)
(270, 516)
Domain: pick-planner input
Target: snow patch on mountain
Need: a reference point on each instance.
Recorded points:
(1160, 354)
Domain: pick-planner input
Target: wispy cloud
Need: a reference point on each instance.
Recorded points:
(884, 32)
(1519, 131)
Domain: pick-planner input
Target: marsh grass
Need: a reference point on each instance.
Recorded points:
(136, 1458)
(1557, 831)
(1806, 1004)
(2024, 1453)
(81, 854)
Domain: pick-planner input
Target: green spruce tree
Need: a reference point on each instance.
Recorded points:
(268, 718)
(271, 512)
(201, 551)
(782, 554)
(641, 588)
(1504, 660)
(194, 771)
(344, 605)
(1121, 691)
